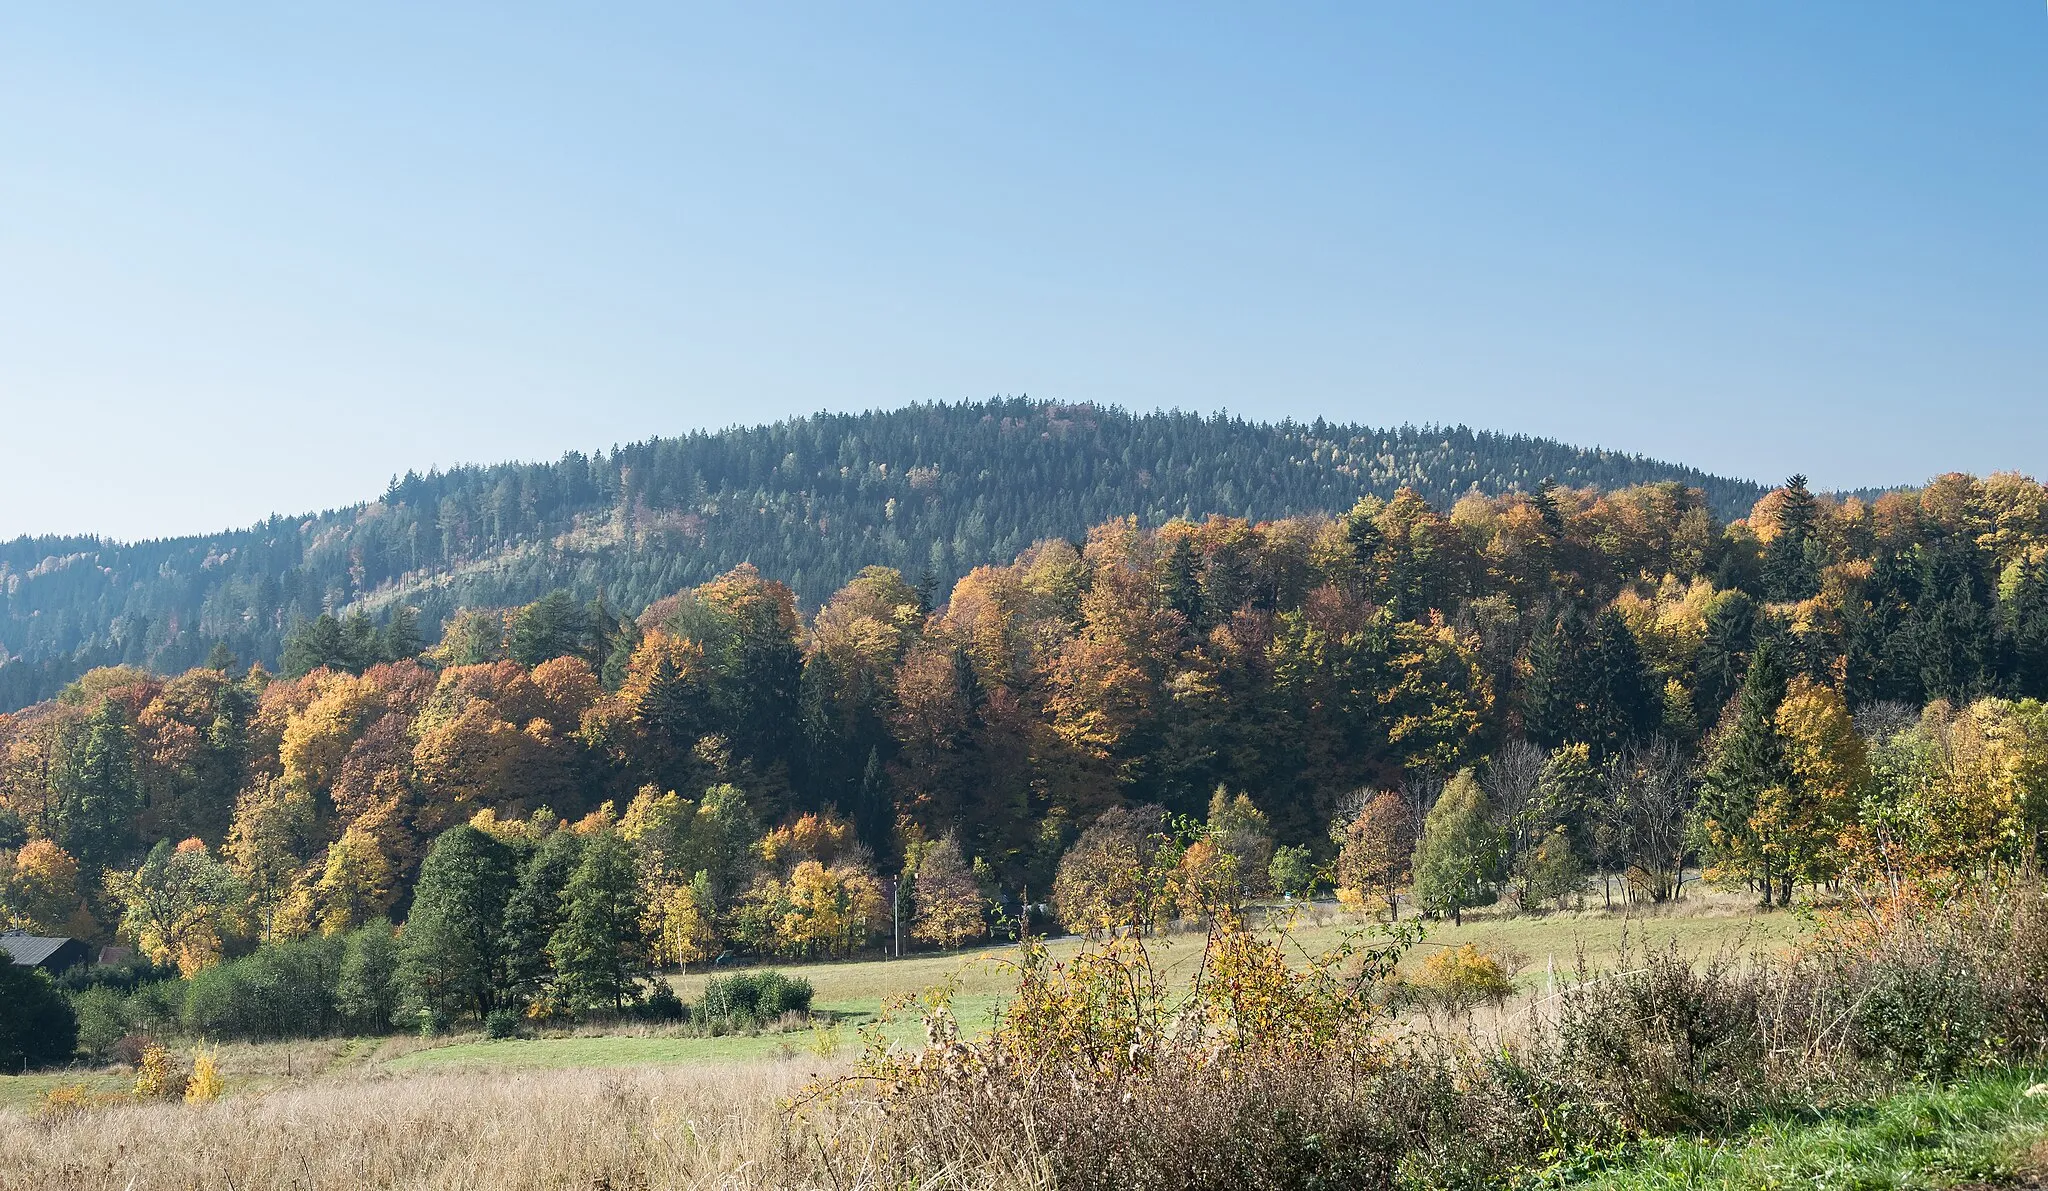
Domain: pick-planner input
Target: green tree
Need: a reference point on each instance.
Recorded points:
(400, 637)
(453, 957)
(312, 644)
(37, 1027)
(1455, 859)
(366, 990)
(1746, 762)
(534, 913)
(600, 950)
(1292, 871)
(1791, 568)
(1723, 657)
(96, 791)
(550, 627)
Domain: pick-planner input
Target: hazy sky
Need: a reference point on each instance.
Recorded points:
(253, 260)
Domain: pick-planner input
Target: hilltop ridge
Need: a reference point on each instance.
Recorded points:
(932, 489)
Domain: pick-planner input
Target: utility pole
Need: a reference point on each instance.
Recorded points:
(896, 908)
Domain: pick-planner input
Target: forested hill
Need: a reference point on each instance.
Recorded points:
(932, 490)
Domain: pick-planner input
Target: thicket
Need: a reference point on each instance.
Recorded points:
(1266, 1075)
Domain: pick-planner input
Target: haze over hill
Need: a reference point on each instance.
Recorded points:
(932, 490)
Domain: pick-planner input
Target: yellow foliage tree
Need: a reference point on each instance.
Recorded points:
(827, 911)
(355, 884)
(38, 887)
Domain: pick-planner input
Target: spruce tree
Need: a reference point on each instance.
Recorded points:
(401, 634)
(1558, 700)
(1724, 654)
(1791, 570)
(1746, 761)
(97, 789)
(2025, 611)
(1629, 706)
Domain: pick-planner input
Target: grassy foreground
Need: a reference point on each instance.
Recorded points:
(1987, 1131)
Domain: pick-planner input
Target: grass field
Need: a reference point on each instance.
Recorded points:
(646, 1106)
(852, 992)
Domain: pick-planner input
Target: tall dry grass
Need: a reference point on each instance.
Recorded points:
(665, 1127)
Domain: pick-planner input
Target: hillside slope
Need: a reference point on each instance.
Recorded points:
(931, 489)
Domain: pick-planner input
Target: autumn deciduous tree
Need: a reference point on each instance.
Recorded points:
(175, 905)
(1375, 847)
(39, 889)
(948, 901)
(818, 910)
(681, 924)
(355, 883)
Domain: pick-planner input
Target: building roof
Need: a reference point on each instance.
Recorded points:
(29, 949)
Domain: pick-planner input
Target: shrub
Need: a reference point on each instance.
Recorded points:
(501, 1023)
(285, 990)
(67, 1100)
(123, 976)
(159, 1077)
(662, 1004)
(206, 1083)
(102, 1012)
(1668, 1045)
(37, 1026)
(1461, 978)
(754, 997)
(155, 1006)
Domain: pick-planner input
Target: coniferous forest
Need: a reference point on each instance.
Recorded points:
(932, 491)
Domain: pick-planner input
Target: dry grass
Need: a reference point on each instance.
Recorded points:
(638, 1128)
(345, 1113)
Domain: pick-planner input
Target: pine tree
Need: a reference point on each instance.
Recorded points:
(600, 950)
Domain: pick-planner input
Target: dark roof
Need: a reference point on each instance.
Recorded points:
(29, 949)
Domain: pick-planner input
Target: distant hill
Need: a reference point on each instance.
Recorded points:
(933, 490)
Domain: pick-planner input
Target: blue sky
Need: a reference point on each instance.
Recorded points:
(254, 260)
